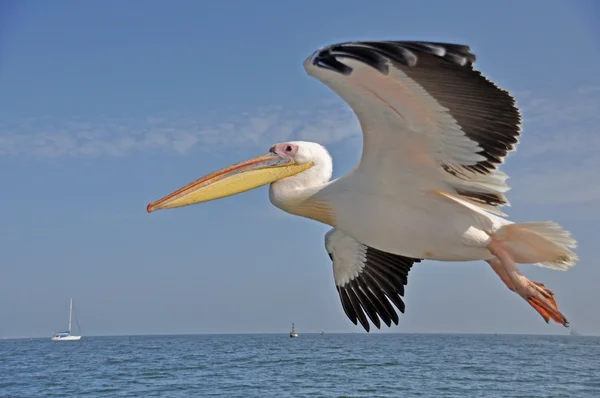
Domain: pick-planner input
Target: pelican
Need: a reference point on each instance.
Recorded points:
(427, 186)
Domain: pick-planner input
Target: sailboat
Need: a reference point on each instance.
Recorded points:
(293, 332)
(67, 336)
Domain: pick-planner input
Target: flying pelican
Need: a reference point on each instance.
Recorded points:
(427, 185)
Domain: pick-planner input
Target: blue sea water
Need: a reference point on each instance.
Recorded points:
(328, 365)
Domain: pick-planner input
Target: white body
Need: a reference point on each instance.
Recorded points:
(391, 215)
(412, 224)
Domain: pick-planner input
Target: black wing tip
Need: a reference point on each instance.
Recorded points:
(377, 290)
(360, 311)
(376, 54)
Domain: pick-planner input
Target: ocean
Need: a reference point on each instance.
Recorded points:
(312, 365)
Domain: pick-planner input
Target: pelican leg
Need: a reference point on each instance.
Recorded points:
(535, 293)
(501, 272)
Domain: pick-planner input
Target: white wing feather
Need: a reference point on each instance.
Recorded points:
(410, 135)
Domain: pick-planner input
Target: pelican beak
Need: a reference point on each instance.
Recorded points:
(232, 180)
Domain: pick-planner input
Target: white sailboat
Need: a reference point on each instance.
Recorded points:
(293, 332)
(67, 336)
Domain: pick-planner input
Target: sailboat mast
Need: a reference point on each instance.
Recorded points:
(70, 313)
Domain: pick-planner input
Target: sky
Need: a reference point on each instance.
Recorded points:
(106, 106)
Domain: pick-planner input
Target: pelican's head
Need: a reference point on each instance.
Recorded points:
(282, 161)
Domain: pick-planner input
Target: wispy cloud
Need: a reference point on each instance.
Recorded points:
(558, 153)
(327, 124)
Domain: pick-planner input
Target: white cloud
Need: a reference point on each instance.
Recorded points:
(116, 137)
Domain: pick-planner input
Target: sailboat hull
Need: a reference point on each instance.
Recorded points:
(66, 338)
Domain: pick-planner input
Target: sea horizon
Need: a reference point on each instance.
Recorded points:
(379, 333)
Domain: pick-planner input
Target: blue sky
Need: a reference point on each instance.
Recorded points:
(106, 106)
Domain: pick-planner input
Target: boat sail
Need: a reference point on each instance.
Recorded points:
(67, 336)
(293, 332)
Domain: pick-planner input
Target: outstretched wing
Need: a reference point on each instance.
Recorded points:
(368, 280)
(422, 106)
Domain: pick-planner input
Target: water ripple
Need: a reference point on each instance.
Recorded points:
(353, 365)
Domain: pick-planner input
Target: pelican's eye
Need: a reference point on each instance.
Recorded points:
(285, 149)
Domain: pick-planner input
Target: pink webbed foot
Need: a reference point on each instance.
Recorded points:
(536, 294)
(542, 300)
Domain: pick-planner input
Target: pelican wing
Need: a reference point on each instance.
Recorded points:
(368, 280)
(423, 107)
